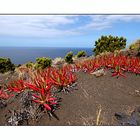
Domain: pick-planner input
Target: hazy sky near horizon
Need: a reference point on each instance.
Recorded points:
(65, 30)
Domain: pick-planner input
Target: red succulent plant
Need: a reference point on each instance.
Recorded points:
(5, 95)
(16, 86)
(45, 98)
(62, 78)
(124, 64)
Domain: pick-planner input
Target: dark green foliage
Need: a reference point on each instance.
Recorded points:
(68, 57)
(109, 44)
(43, 62)
(81, 54)
(6, 65)
(29, 64)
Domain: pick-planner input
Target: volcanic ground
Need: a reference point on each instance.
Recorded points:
(94, 101)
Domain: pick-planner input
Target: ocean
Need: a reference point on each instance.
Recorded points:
(21, 55)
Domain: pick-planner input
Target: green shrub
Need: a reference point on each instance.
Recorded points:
(132, 47)
(43, 62)
(109, 44)
(29, 64)
(6, 65)
(135, 45)
(68, 57)
(81, 54)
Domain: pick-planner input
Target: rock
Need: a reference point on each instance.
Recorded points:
(136, 115)
(137, 91)
(99, 73)
(120, 115)
(132, 120)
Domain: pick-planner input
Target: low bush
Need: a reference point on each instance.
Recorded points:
(81, 54)
(6, 65)
(135, 45)
(109, 44)
(29, 64)
(132, 47)
(68, 57)
(43, 62)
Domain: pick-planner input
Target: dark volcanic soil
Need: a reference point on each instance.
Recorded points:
(107, 94)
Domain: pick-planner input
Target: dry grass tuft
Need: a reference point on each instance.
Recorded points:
(98, 121)
(58, 61)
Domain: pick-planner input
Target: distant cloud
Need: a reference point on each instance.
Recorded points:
(99, 22)
(35, 26)
(50, 25)
(126, 18)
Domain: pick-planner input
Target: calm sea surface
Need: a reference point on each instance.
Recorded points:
(20, 55)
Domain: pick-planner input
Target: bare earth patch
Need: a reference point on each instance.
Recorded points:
(95, 101)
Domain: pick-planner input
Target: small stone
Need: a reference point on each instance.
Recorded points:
(120, 116)
(137, 92)
(99, 73)
(129, 120)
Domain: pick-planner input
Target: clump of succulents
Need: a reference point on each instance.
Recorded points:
(118, 63)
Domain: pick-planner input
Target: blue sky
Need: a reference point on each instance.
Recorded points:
(65, 30)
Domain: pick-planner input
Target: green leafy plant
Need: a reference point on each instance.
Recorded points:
(68, 57)
(135, 45)
(109, 44)
(43, 62)
(6, 65)
(81, 54)
(29, 64)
